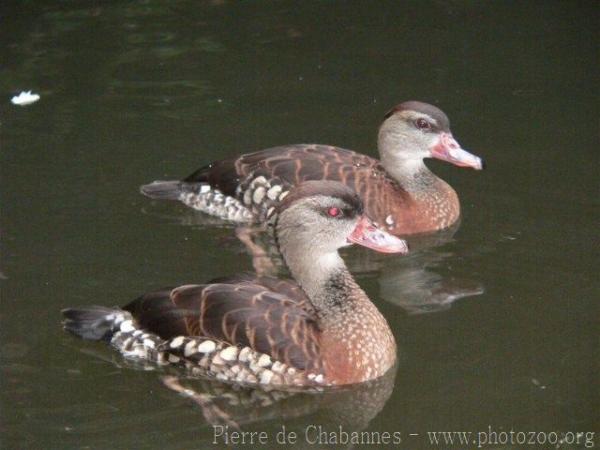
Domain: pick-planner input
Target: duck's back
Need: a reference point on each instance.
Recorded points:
(249, 187)
(268, 315)
(290, 165)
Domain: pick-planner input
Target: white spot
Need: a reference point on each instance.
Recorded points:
(189, 348)
(274, 192)
(283, 195)
(259, 194)
(127, 326)
(243, 356)
(207, 347)
(389, 220)
(177, 342)
(204, 362)
(174, 359)
(217, 360)
(278, 367)
(229, 354)
(319, 378)
(138, 351)
(204, 188)
(264, 360)
(149, 343)
(311, 376)
(25, 98)
(266, 376)
(248, 197)
(270, 211)
(259, 180)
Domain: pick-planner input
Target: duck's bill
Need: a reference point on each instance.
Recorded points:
(447, 149)
(368, 235)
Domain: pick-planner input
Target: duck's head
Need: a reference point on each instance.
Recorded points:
(319, 217)
(413, 131)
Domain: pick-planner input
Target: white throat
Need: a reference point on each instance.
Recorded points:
(313, 271)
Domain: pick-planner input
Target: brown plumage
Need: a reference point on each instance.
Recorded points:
(293, 164)
(399, 192)
(266, 314)
(319, 329)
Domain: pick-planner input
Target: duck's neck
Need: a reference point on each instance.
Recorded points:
(404, 165)
(411, 173)
(434, 202)
(327, 282)
(356, 339)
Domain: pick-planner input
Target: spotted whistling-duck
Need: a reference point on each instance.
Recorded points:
(321, 329)
(400, 193)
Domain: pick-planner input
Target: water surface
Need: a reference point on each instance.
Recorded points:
(144, 90)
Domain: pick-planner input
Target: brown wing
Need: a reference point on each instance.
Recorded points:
(243, 313)
(287, 288)
(292, 164)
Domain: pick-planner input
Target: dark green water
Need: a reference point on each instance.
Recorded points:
(142, 90)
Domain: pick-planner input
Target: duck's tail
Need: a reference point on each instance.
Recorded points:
(203, 356)
(95, 323)
(163, 190)
(115, 326)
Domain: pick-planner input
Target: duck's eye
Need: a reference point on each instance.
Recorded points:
(334, 212)
(422, 124)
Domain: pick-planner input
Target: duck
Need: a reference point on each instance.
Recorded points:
(318, 329)
(399, 192)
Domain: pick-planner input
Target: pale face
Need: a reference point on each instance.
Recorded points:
(414, 131)
(409, 135)
(318, 221)
(322, 224)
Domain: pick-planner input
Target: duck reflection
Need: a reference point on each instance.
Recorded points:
(409, 281)
(419, 290)
(353, 407)
(413, 281)
(228, 408)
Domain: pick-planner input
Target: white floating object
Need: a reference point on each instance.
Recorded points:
(25, 98)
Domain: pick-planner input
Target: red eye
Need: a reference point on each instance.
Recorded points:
(422, 124)
(334, 212)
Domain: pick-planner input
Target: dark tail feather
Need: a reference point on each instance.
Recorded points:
(163, 190)
(93, 322)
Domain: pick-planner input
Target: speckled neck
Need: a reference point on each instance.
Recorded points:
(331, 289)
(320, 275)
(357, 341)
